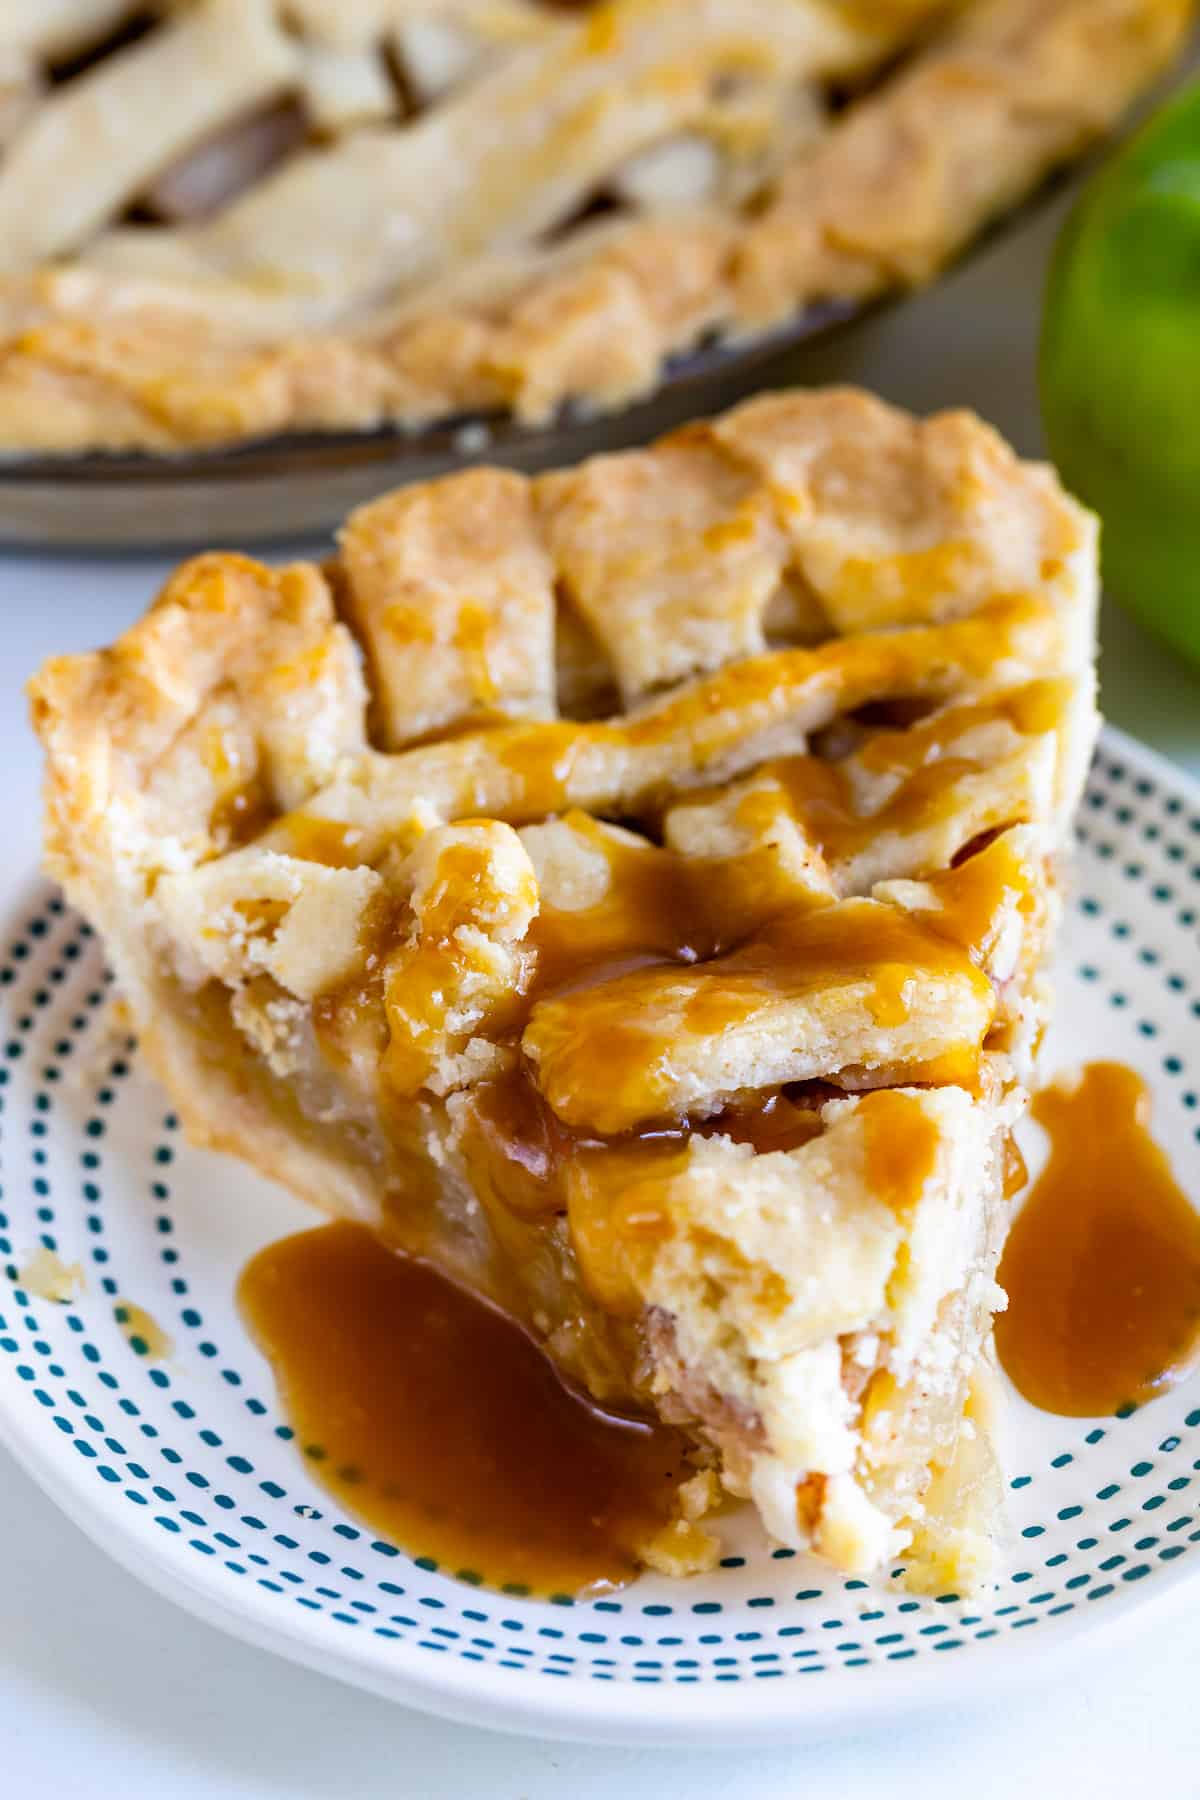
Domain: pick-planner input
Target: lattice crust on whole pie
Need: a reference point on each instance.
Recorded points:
(631, 888)
(223, 218)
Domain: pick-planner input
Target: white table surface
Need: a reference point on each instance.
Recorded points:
(106, 1689)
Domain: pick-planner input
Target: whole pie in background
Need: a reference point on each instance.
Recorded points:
(227, 218)
(630, 889)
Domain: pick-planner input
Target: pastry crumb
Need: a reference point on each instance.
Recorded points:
(48, 1277)
(681, 1548)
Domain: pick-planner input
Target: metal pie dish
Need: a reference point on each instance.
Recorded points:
(298, 483)
(287, 485)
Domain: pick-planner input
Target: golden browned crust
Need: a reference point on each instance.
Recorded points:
(93, 355)
(807, 523)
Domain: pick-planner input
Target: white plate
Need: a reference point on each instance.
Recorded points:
(184, 1469)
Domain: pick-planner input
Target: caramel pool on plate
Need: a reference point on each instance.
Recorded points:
(436, 1420)
(1102, 1268)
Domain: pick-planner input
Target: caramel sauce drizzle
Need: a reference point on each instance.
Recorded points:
(820, 796)
(657, 907)
(667, 929)
(434, 1419)
(968, 897)
(821, 793)
(641, 1028)
(522, 772)
(611, 964)
(901, 1148)
(426, 1411)
(314, 839)
(1102, 1267)
(242, 815)
(518, 1148)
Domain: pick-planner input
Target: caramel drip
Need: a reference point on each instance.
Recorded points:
(1033, 709)
(821, 794)
(619, 1212)
(888, 1003)
(472, 634)
(775, 1122)
(241, 815)
(349, 1019)
(612, 1055)
(883, 590)
(822, 798)
(657, 906)
(619, 1199)
(523, 772)
(970, 898)
(435, 1420)
(607, 998)
(657, 915)
(1102, 1267)
(540, 763)
(1016, 1170)
(834, 944)
(318, 840)
(518, 1150)
(901, 1147)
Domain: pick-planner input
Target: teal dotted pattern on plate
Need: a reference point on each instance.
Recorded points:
(93, 1166)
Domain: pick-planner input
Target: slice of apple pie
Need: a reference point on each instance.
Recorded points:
(631, 889)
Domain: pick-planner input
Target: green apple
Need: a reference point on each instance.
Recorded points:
(1120, 368)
